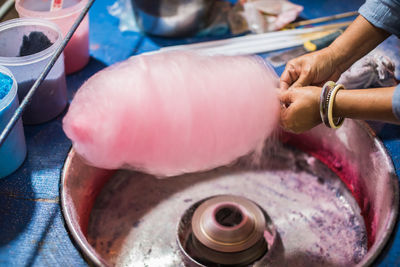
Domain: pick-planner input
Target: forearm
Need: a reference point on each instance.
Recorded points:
(365, 104)
(358, 40)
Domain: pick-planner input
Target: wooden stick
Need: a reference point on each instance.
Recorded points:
(322, 19)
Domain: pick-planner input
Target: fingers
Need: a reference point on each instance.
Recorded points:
(289, 75)
(300, 108)
(286, 119)
(285, 97)
(289, 117)
(291, 120)
(283, 85)
(304, 71)
(305, 78)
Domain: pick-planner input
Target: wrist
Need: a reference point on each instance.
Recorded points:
(327, 103)
(338, 57)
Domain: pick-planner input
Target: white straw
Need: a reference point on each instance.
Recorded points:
(255, 49)
(269, 41)
(6, 7)
(271, 37)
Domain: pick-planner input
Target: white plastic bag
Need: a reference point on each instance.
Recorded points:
(270, 15)
(122, 9)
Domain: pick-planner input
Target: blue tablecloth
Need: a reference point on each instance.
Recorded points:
(32, 230)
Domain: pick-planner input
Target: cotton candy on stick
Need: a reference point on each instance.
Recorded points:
(174, 112)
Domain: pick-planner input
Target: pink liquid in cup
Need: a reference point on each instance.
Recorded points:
(77, 51)
(172, 113)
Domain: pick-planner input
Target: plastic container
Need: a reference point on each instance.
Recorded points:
(51, 97)
(13, 150)
(77, 51)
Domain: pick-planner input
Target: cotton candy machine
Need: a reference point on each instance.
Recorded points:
(323, 198)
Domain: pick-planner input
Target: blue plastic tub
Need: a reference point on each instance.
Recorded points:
(13, 151)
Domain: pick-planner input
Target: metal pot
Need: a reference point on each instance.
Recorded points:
(171, 18)
(144, 217)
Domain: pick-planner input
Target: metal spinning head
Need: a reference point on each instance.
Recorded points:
(227, 230)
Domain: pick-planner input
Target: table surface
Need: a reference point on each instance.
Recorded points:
(32, 230)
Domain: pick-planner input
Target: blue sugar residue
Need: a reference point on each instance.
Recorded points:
(5, 85)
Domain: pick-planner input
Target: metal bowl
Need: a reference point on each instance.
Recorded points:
(135, 215)
(171, 18)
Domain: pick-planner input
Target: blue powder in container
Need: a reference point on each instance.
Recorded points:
(13, 150)
(5, 85)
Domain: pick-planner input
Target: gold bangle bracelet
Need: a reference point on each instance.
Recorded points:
(340, 120)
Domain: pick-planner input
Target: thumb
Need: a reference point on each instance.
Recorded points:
(288, 77)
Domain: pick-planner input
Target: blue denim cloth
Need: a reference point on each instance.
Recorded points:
(385, 14)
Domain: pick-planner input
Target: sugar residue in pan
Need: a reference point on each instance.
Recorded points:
(133, 222)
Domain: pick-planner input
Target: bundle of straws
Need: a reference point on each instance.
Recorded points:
(259, 43)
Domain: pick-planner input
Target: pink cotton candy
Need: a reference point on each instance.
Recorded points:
(172, 113)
